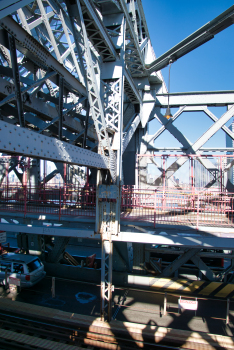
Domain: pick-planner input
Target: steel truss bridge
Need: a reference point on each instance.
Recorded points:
(79, 83)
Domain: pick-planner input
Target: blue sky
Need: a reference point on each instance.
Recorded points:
(207, 68)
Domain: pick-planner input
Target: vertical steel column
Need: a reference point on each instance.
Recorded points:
(16, 76)
(60, 131)
(106, 280)
(109, 196)
(86, 125)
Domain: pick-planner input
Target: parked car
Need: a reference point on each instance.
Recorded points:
(27, 268)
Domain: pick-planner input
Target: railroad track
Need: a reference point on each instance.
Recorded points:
(18, 333)
(26, 326)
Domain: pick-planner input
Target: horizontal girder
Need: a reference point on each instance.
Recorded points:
(220, 239)
(200, 98)
(17, 140)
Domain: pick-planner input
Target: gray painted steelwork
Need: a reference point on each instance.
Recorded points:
(79, 84)
(202, 239)
(17, 140)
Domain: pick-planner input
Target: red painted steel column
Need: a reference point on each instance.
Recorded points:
(198, 206)
(155, 208)
(59, 203)
(25, 201)
(7, 180)
(65, 182)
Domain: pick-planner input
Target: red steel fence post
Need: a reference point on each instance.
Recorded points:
(155, 208)
(198, 206)
(25, 201)
(59, 203)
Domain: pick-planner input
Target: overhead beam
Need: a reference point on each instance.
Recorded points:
(10, 6)
(16, 140)
(183, 149)
(196, 39)
(196, 98)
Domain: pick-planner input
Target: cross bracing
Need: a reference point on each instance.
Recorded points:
(79, 84)
(60, 40)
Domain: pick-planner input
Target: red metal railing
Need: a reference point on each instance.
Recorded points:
(67, 200)
(195, 208)
(198, 208)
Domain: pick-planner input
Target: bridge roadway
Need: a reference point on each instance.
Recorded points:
(143, 309)
(130, 231)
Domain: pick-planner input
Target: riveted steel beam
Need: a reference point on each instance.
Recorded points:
(199, 98)
(16, 76)
(60, 124)
(16, 140)
(8, 7)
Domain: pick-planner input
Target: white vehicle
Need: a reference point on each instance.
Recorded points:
(27, 268)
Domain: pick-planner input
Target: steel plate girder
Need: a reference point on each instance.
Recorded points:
(16, 140)
(218, 240)
(203, 254)
(32, 49)
(10, 6)
(206, 98)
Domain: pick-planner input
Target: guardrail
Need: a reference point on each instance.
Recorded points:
(195, 208)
